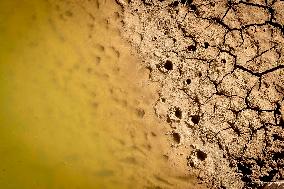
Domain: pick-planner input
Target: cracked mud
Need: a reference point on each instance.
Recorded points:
(221, 69)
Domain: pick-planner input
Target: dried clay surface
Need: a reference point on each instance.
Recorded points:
(220, 65)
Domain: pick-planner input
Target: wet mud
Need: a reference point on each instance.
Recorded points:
(76, 104)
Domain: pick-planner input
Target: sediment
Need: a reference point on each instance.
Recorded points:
(220, 65)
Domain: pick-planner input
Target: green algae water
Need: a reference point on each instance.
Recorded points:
(75, 112)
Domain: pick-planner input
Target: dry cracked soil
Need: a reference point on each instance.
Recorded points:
(220, 65)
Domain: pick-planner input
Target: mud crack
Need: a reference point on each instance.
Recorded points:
(221, 67)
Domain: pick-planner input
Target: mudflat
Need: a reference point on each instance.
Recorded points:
(220, 67)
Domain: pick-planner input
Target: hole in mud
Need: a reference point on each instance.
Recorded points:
(199, 74)
(206, 45)
(260, 163)
(277, 137)
(191, 48)
(169, 120)
(168, 65)
(278, 156)
(163, 99)
(191, 164)
(196, 100)
(201, 155)
(174, 4)
(231, 164)
(166, 157)
(188, 81)
(153, 134)
(193, 7)
(269, 177)
(246, 179)
(245, 169)
(195, 119)
(178, 113)
(140, 112)
(223, 61)
(176, 137)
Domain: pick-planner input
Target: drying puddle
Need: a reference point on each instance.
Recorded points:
(75, 106)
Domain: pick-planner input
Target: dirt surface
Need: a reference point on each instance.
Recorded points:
(221, 69)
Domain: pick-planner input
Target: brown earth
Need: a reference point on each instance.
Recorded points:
(220, 65)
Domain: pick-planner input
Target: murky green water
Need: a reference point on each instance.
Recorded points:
(72, 105)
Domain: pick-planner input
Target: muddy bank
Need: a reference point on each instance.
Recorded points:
(220, 65)
(76, 105)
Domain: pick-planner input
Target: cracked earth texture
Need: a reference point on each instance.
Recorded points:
(221, 69)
